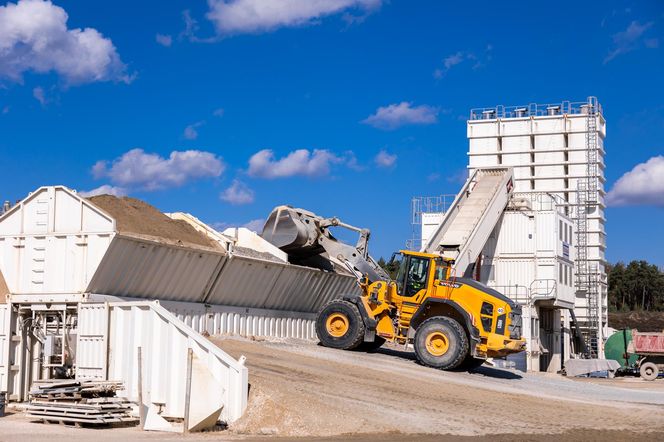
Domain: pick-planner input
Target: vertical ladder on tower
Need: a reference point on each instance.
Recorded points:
(587, 282)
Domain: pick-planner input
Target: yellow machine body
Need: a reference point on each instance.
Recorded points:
(492, 321)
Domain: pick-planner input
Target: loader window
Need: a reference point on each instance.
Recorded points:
(416, 278)
(442, 269)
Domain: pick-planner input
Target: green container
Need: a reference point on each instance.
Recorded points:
(616, 348)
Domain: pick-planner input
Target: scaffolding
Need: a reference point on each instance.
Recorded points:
(536, 110)
(420, 205)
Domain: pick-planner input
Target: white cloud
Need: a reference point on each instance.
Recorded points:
(351, 161)
(404, 113)
(385, 159)
(218, 112)
(39, 95)
(104, 190)
(150, 171)
(630, 39)
(164, 40)
(479, 60)
(301, 162)
(237, 194)
(256, 16)
(641, 186)
(34, 37)
(453, 60)
(191, 131)
(190, 26)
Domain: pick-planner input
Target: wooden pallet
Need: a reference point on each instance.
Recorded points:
(84, 422)
(71, 402)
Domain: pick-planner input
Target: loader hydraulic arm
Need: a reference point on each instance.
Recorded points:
(305, 236)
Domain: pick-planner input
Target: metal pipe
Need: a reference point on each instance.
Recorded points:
(141, 406)
(187, 390)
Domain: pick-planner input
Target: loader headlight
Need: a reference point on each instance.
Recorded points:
(487, 309)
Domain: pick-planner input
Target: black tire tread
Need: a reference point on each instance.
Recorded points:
(358, 337)
(463, 347)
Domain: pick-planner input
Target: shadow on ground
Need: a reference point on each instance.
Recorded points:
(484, 370)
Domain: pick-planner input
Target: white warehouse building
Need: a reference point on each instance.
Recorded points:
(547, 250)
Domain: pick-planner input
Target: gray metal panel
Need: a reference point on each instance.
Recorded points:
(145, 269)
(138, 268)
(267, 285)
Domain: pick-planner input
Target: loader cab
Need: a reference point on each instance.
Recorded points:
(413, 274)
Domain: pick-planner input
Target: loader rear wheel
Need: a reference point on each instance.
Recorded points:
(441, 342)
(339, 325)
(649, 371)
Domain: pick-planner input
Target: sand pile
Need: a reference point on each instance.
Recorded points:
(137, 217)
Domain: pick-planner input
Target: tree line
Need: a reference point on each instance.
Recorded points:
(391, 267)
(635, 286)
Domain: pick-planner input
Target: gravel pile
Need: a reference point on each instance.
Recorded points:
(138, 217)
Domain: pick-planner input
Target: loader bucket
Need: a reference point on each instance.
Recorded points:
(286, 230)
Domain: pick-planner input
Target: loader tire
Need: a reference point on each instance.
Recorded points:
(340, 325)
(649, 371)
(441, 342)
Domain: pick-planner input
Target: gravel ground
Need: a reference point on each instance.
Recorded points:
(301, 391)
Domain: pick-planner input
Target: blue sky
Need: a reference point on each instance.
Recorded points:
(343, 107)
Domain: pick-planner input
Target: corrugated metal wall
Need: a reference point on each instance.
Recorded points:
(147, 269)
(144, 269)
(268, 285)
(224, 320)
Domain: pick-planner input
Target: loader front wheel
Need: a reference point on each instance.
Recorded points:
(339, 325)
(441, 342)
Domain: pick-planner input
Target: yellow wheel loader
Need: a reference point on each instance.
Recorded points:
(451, 322)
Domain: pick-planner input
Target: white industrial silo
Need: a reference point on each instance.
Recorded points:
(557, 149)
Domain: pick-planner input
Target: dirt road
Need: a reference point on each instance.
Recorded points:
(301, 391)
(307, 390)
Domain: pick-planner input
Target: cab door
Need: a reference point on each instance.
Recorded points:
(413, 275)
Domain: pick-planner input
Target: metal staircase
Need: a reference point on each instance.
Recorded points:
(587, 282)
